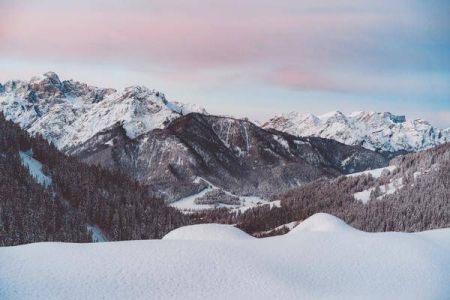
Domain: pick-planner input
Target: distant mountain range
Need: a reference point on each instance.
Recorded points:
(68, 112)
(156, 150)
(175, 148)
(375, 131)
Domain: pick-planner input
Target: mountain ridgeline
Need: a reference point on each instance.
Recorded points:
(80, 163)
(79, 198)
(382, 132)
(233, 154)
(411, 195)
(168, 145)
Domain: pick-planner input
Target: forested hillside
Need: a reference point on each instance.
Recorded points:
(413, 196)
(80, 197)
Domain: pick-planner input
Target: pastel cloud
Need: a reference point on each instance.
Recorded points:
(218, 33)
(400, 47)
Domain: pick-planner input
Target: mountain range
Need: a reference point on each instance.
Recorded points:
(383, 132)
(175, 148)
(81, 163)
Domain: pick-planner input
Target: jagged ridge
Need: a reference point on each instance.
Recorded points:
(69, 112)
(372, 130)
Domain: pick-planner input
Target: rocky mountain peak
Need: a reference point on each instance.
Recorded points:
(70, 112)
(394, 118)
(48, 77)
(373, 130)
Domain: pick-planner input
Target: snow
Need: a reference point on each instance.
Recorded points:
(96, 233)
(363, 196)
(35, 168)
(211, 232)
(386, 189)
(282, 142)
(68, 120)
(319, 263)
(372, 130)
(175, 108)
(188, 204)
(376, 173)
(321, 222)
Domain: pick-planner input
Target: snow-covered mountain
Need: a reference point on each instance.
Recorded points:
(235, 155)
(69, 112)
(372, 130)
(139, 133)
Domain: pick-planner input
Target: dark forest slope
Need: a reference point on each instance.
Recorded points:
(80, 195)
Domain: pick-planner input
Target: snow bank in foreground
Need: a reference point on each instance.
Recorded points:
(321, 222)
(212, 232)
(337, 264)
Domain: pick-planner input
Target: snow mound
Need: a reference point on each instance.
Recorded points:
(308, 265)
(207, 232)
(322, 222)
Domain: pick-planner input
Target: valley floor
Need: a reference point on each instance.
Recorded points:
(321, 258)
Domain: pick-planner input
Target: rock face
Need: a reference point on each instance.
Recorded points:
(138, 132)
(69, 112)
(375, 131)
(233, 154)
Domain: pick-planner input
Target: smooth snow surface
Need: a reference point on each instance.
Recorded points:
(35, 168)
(321, 222)
(318, 263)
(211, 232)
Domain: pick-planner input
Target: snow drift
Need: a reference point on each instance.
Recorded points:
(211, 232)
(328, 260)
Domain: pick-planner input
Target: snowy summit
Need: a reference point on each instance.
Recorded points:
(372, 130)
(69, 112)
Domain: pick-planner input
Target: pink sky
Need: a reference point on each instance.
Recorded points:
(381, 49)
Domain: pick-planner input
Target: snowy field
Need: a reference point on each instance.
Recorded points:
(188, 205)
(321, 258)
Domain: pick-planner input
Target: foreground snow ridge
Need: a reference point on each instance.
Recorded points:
(208, 232)
(322, 258)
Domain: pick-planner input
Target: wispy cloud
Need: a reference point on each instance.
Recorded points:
(397, 48)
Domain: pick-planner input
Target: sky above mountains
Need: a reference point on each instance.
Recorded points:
(245, 58)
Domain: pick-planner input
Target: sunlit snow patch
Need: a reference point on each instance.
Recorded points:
(211, 232)
(321, 222)
(386, 189)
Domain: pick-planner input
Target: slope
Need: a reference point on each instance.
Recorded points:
(233, 154)
(345, 264)
(47, 196)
